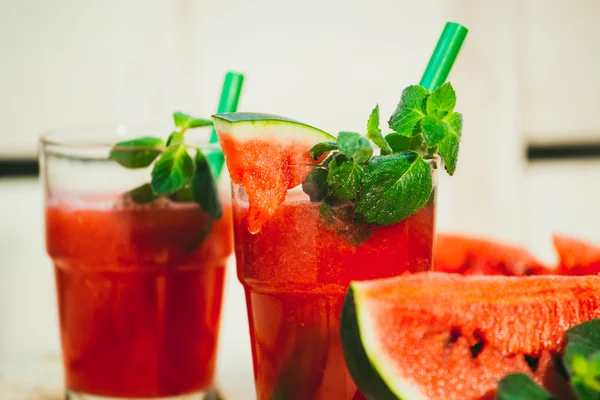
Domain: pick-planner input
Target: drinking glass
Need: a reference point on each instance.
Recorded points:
(139, 285)
(296, 271)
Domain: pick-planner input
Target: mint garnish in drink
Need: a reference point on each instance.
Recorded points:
(175, 173)
(386, 188)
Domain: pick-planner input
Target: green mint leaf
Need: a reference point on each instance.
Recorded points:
(573, 352)
(394, 187)
(434, 130)
(448, 148)
(142, 194)
(137, 153)
(585, 374)
(373, 122)
(204, 187)
(519, 386)
(400, 143)
(594, 364)
(583, 390)
(181, 120)
(344, 178)
(355, 146)
(176, 137)
(185, 121)
(579, 365)
(405, 119)
(183, 195)
(199, 123)
(374, 133)
(315, 184)
(592, 382)
(441, 102)
(582, 359)
(583, 340)
(586, 334)
(318, 149)
(173, 170)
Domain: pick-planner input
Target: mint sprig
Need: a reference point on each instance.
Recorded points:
(385, 188)
(581, 361)
(432, 116)
(175, 173)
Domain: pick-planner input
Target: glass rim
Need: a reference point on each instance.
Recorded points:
(110, 134)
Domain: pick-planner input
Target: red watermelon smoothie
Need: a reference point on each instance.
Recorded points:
(296, 272)
(139, 286)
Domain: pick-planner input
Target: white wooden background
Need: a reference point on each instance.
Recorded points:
(527, 73)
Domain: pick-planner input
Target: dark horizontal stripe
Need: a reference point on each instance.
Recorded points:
(27, 167)
(539, 152)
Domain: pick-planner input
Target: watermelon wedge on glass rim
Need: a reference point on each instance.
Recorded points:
(259, 150)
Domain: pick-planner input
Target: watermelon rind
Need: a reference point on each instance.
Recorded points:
(251, 125)
(367, 364)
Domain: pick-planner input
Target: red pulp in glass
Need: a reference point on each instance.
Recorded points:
(139, 294)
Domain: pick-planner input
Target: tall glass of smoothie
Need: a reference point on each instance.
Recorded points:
(296, 271)
(313, 212)
(139, 274)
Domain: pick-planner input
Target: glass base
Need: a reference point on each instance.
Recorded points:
(212, 394)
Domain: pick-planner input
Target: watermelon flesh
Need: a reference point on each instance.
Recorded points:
(576, 257)
(447, 336)
(469, 255)
(267, 155)
(266, 183)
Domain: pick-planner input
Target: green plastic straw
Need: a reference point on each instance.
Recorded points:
(443, 56)
(230, 96)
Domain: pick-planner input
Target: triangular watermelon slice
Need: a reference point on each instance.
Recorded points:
(447, 336)
(264, 154)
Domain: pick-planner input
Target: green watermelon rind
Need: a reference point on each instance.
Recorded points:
(244, 126)
(369, 368)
